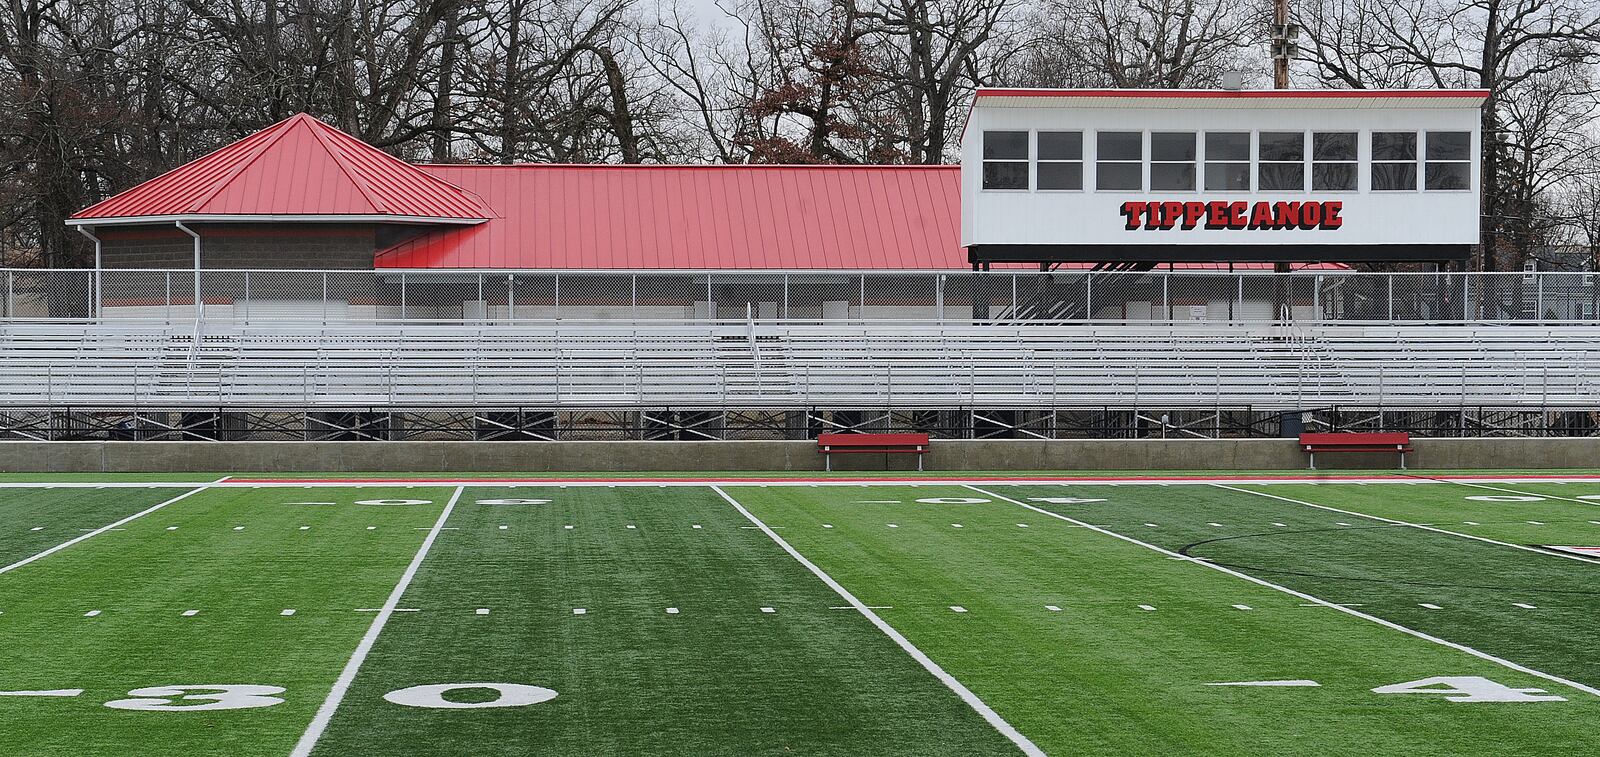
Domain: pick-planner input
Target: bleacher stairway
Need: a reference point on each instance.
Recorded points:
(775, 365)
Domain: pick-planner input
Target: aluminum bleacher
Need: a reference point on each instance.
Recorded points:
(779, 364)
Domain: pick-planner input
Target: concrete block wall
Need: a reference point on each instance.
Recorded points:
(713, 456)
(254, 246)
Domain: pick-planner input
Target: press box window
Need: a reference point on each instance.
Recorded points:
(1228, 161)
(1394, 161)
(1449, 161)
(1119, 160)
(1005, 160)
(1333, 161)
(1281, 161)
(1060, 160)
(1172, 161)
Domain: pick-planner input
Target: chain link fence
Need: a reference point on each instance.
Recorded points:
(486, 297)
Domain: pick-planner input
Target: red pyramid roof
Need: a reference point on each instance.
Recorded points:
(301, 168)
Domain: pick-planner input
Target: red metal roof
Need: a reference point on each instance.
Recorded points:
(300, 167)
(700, 217)
(753, 217)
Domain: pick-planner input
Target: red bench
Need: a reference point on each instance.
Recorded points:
(911, 444)
(1388, 442)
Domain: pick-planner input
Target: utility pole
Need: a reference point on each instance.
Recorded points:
(1283, 48)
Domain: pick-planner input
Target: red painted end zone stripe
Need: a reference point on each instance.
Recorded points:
(732, 480)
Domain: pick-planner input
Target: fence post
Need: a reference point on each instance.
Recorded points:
(247, 307)
(1390, 278)
(511, 297)
(938, 296)
(1316, 299)
(482, 303)
(1538, 298)
(633, 296)
(402, 295)
(1014, 303)
(861, 303)
(785, 315)
(168, 308)
(558, 303)
(324, 298)
(1088, 296)
(1166, 299)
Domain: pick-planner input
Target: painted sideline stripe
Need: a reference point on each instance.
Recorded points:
(103, 529)
(1420, 526)
(308, 740)
(972, 700)
(1318, 600)
(1155, 480)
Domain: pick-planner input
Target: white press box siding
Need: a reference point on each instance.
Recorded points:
(1079, 167)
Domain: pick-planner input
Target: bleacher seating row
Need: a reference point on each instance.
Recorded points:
(777, 365)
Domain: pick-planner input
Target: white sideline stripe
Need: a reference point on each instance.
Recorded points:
(1317, 600)
(1424, 527)
(313, 733)
(101, 530)
(966, 695)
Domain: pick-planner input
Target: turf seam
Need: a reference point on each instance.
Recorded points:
(341, 686)
(1308, 597)
(1419, 526)
(971, 699)
(102, 529)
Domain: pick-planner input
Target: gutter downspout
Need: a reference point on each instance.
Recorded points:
(199, 303)
(85, 230)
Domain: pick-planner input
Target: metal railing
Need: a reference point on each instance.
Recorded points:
(494, 297)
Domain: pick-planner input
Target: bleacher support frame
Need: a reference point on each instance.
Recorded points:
(415, 423)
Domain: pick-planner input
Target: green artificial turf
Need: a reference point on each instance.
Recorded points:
(718, 677)
(1391, 570)
(1100, 675)
(143, 579)
(64, 514)
(1105, 677)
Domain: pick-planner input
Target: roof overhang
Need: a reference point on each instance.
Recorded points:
(211, 218)
(1231, 98)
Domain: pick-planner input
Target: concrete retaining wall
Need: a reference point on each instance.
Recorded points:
(1037, 455)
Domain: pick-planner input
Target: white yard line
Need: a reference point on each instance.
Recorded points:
(1309, 598)
(103, 529)
(308, 740)
(1006, 729)
(1392, 521)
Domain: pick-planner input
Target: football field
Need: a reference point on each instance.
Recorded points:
(1350, 614)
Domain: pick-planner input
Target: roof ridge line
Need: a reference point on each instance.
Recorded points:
(234, 172)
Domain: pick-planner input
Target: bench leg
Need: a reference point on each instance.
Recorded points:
(827, 461)
(1312, 458)
(1402, 461)
(919, 462)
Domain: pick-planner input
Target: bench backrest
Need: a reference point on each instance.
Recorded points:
(1395, 438)
(872, 440)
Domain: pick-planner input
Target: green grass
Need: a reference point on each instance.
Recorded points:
(1098, 676)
